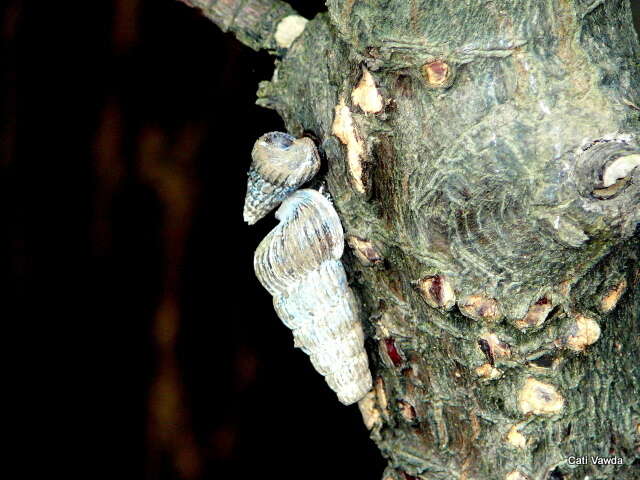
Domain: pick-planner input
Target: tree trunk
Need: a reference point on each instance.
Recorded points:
(472, 150)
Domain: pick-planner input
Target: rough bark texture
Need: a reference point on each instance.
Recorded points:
(492, 262)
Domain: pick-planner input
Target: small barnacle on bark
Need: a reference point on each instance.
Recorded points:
(437, 291)
(515, 438)
(344, 128)
(365, 251)
(610, 300)
(280, 164)
(479, 307)
(493, 347)
(289, 28)
(407, 411)
(516, 475)
(438, 74)
(366, 95)
(370, 414)
(536, 315)
(581, 333)
(488, 371)
(539, 398)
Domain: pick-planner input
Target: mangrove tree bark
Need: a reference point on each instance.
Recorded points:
(482, 158)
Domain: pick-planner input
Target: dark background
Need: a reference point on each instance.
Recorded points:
(126, 137)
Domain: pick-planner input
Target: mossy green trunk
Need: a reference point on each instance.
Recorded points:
(502, 323)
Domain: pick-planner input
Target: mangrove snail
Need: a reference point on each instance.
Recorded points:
(298, 262)
(280, 164)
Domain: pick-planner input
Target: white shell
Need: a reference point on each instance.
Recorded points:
(299, 264)
(280, 164)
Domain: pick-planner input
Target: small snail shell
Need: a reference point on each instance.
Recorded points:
(299, 264)
(280, 164)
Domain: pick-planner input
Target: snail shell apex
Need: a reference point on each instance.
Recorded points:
(280, 164)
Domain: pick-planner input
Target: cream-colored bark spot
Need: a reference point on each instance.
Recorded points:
(381, 395)
(584, 332)
(536, 315)
(539, 398)
(516, 439)
(488, 371)
(610, 300)
(437, 74)
(437, 291)
(370, 414)
(479, 307)
(345, 130)
(289, 29)
(364, 250)
(366, 95)
(407, 411)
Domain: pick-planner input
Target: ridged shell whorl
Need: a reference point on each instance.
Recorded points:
(299, 264)
(280, 164)
(309, 233)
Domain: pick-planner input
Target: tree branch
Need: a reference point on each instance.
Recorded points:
(255, 23)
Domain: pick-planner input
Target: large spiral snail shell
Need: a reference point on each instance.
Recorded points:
(298, 262)
(280, 164)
